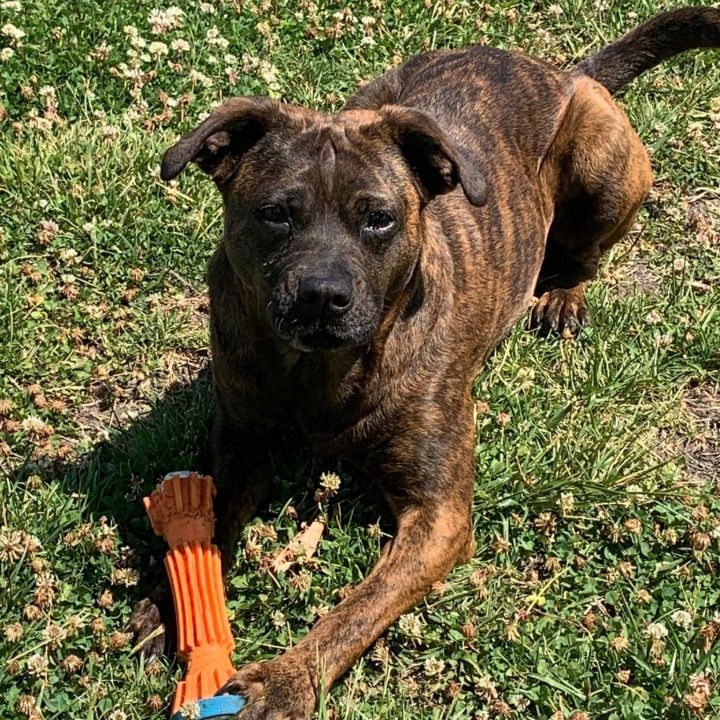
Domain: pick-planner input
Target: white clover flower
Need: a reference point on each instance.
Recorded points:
(180, 45)
(230, 59)
(268, 72)
(411, 625)
(330, 481)
(35, 426)
(566, 503)
(124, 576)
(190, 710)
(158, 49)
(213, 37)
(486, 688)
(68, 255)
(13, 32)
(207, 8)
(162, 21)
(434, 666)
(37, 665)
(6, 53)
(197, 77)
(11, 545)
(13, 5)
(133, 73)
(682, 618)
(656, 631)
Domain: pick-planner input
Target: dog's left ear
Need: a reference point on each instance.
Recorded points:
(438, 164)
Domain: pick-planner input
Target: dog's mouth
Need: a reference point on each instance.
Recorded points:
(319, 336)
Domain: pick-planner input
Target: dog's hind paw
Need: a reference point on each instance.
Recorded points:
(562, 311)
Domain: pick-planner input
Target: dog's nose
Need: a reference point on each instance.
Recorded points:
(326, 297)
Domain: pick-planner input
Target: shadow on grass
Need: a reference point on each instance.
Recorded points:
(115, 474)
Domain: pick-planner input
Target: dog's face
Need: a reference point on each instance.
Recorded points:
(323, 213)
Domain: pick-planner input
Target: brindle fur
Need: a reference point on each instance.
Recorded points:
(511, 178)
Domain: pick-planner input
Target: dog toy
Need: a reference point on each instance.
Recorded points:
(180, 510)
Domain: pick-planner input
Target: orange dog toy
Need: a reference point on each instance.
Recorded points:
(180, 510)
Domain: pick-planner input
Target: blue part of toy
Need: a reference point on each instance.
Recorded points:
(216, 707)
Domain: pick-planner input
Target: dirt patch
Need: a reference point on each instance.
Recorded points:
(702, 451)
(703, 216)
(692, 438)
(635, 276)
(115, 402)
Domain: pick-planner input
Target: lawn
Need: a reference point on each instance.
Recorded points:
(594, 591)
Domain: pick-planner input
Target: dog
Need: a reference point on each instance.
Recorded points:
(371, 260)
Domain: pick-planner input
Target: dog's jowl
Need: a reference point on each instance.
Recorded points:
(372, 259)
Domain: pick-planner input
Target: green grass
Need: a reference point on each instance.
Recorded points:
(597, 506)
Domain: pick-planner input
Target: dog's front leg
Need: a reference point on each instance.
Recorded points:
(434, 533)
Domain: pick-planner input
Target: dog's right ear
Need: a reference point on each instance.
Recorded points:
(219, 142)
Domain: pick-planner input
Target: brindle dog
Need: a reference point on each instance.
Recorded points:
(371, 260)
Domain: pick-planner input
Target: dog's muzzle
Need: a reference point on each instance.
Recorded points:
(326, 313)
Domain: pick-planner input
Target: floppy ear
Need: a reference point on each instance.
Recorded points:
(219, 142)
(436, 161)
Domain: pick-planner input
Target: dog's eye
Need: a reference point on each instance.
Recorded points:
(274, 214)
(380, 221)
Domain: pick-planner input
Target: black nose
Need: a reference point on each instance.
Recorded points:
(325, 297)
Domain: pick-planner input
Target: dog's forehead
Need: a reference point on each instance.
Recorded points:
(338, 133)
(338, 152)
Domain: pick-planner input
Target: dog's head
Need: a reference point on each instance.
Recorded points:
(323, 213)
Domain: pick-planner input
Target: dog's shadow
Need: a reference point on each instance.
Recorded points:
(114, 474)
(174, 434)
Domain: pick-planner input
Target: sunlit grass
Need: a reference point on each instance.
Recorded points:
(594, 590)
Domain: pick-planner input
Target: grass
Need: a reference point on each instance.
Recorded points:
(593, 593)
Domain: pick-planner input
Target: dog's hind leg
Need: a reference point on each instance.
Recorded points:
(601, 174)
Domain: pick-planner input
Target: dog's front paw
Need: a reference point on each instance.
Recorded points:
(563, 311)
(280, 689)
(147, 627)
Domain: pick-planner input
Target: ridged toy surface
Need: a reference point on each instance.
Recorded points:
(180, 510)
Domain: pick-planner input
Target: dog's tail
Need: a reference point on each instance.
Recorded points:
(658, 39)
